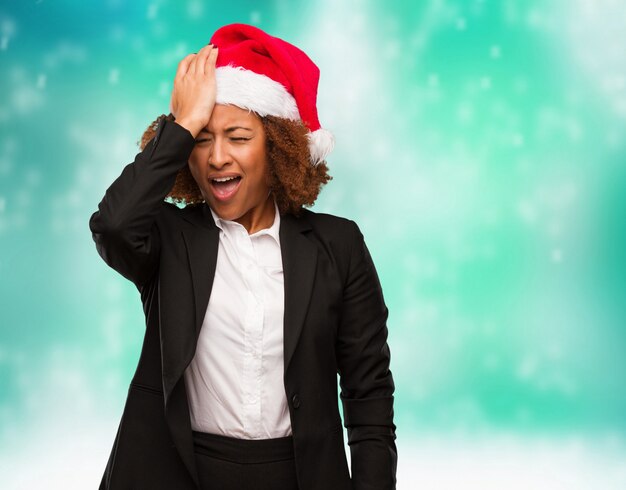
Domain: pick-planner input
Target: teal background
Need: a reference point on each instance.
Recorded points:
(480, 146)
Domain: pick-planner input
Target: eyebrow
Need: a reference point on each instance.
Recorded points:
(228, 130)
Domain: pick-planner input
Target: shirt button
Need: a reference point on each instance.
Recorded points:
(295, 400)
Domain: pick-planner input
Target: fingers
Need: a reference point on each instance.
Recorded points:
(197, 65)
(209, 66)
(183, 66)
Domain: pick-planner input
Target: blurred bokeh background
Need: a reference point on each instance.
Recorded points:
(481, 147)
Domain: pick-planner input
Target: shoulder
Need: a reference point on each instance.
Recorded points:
(339, 237)
(173, 216)
(332, 226)
(181, 210)
(171, 212)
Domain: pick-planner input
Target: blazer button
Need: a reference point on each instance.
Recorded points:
(295, 401)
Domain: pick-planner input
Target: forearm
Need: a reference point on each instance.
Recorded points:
(123, 225)
(132, 200)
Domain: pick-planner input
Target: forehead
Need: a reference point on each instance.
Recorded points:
(225, 116)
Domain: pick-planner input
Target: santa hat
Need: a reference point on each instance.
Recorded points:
(269, 76)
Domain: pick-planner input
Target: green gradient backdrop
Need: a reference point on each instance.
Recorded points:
(481, 146)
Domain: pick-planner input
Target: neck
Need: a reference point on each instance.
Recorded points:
(260, 217)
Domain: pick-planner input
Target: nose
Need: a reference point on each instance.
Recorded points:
(219, 154)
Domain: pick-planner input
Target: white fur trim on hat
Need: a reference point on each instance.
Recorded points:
(253, 91)
(259, 93)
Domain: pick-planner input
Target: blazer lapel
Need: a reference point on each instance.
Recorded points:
(183, 307)
(202, 246)
(299, 263)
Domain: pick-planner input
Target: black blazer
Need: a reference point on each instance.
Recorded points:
(334, 323)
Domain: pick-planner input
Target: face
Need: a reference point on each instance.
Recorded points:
(229, 164)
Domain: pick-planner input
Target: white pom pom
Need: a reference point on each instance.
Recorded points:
(321, 143)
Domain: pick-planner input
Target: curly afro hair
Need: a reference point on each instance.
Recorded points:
(293, 181)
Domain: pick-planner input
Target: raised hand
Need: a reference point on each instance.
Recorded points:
(193, 96)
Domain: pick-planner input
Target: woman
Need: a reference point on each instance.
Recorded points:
(253, 304)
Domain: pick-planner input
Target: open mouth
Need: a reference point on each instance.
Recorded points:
(225, 187)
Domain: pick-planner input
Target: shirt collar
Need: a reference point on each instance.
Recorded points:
(273, 230)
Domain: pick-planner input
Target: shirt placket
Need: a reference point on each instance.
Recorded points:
(253, 337)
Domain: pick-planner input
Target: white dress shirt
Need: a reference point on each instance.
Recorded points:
(235, 380)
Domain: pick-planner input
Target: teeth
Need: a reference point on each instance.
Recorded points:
(224, 179)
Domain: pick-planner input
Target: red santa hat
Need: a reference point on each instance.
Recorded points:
(269, 76)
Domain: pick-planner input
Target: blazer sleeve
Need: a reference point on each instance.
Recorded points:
(124, 226)
(366, 381)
